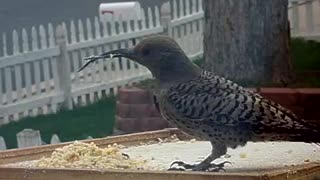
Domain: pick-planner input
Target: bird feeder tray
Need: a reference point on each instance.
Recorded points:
(305, 171)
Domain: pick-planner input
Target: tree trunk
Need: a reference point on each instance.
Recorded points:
(248, 40)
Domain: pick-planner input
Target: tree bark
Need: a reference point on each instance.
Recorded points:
(248, 40)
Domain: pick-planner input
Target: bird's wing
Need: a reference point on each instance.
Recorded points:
(229, 86)
(211, 99)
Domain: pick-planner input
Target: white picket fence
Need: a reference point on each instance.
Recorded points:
(304, 18)
(40, 75)
(29, 138)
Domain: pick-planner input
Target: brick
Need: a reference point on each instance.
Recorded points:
(284, 96)
(154, 111)
(134, 110)
(135, 96)
(310, 101)
(140, 124)
(157, 123)
(125, 124)
(309, 97)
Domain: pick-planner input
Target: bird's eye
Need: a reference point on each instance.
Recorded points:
(146, 52)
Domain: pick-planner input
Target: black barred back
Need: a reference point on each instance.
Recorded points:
(214, 108)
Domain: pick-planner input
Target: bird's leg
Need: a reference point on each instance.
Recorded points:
(205, 165)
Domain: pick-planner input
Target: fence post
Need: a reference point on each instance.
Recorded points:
(55, 139)
(295, 17)
(309, 16)
(2, 144)
(89, 137)
(165, 18)
(64, 71)
(28, 138)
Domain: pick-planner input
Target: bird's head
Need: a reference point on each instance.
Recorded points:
(160, 54)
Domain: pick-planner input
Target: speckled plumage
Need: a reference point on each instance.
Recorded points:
(210, 107)
(215, 109)
(224, 113)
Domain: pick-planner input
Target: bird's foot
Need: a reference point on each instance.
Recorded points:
(126, 155)
(182, 166)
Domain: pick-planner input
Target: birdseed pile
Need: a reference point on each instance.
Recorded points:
(88, 155)
(158, 155)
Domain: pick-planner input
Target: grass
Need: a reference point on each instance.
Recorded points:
(96, 120)
(305, 55)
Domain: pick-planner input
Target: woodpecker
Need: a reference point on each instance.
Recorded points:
(210, 107)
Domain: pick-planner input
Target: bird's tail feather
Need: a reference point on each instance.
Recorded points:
(309, 136)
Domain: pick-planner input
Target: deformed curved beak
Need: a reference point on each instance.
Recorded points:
(127, 53)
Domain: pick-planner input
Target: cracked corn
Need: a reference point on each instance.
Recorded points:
(88, 155)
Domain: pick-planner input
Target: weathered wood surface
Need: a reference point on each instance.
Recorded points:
(308, 171)
(32, 153)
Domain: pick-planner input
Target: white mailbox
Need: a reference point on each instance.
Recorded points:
(120, 11)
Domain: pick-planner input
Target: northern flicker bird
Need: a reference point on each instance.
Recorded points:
(210, 107)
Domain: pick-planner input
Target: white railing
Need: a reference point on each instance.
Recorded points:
(186, 26)
(29, 138)
(40, 74)
(304, 18)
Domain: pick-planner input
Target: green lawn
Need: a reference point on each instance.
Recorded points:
(94, 120)
(305, 55)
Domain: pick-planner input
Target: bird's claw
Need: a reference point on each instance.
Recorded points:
(182, 166)
(125, 155)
